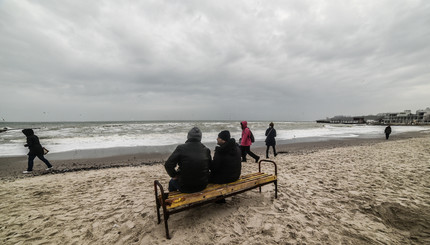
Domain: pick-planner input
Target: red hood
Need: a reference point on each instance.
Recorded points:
(244, 124)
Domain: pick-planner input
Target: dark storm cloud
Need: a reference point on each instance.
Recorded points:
(285, 60)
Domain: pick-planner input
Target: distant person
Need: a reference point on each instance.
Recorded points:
(387, 132)
(270, 139)
(226, 164)
(246, 142)
(192, 159)
(35, 150)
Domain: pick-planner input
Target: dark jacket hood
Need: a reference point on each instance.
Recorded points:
(28, 132)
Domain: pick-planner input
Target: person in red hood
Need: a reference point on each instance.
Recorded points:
(245, 142)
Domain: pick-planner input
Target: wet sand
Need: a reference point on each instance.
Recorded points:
(356, 191)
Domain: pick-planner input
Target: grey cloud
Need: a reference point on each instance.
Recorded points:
(212, 60)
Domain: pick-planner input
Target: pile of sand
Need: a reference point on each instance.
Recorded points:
(375, 194)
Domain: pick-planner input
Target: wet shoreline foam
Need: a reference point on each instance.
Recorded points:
(12, 167)
(102, 139)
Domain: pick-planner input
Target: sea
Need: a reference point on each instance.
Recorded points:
(75, 140)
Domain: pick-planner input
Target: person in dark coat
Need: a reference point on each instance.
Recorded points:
(35, 150)
(226, 164)
(193, 159)
(387, 132)
(270, 139)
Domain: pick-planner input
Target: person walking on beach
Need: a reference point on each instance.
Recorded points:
(387, 132)
(193, 159)
(246, 142)
(35, 150)
(226, 164)
(270, 139)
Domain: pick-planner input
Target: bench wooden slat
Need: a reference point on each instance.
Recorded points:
(210, 187)
(176, 194)
(218, 190)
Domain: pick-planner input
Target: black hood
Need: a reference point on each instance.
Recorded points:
(28, 132)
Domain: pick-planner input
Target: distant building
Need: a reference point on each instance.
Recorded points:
(406, 117)
(401, 118)
(423, 115)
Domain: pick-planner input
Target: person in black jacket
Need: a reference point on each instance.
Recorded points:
(270, 139)
(193, 159)
(36, 150)
(387, 132)
(226, 165)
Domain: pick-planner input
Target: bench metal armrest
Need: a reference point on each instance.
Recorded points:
(157, 184)
(274, 164)
(161, 202)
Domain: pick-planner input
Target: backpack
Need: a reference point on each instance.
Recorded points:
(251, 136)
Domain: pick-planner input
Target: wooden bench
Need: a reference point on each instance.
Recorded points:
(175, 202)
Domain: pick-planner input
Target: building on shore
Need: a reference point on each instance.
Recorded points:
(397, 118)
(406, 117)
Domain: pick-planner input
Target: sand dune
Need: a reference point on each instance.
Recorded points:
(371, 194)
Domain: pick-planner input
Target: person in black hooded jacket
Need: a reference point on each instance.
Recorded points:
(35, 150)
(387, 132)
(226, 164)
(270, 139)
(193, 159)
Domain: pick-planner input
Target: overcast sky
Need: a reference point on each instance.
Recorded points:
(212, 60)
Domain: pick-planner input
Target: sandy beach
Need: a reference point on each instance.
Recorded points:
(362, 191)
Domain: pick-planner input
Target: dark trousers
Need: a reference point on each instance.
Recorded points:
(267, 151)
(173, 185)
(386, 136)
(31, 161)
(247, 150)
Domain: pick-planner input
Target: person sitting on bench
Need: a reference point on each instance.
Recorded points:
(193, 159)
(226, 165)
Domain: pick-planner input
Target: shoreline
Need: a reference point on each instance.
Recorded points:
(11, 167)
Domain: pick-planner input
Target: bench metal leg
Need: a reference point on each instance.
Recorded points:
(276, 189)
(158, 212)
(157, 202)
(166, 226)
(161, 203)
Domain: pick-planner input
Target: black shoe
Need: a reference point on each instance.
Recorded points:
(256, 159)
(221, 201)
(276, 154)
